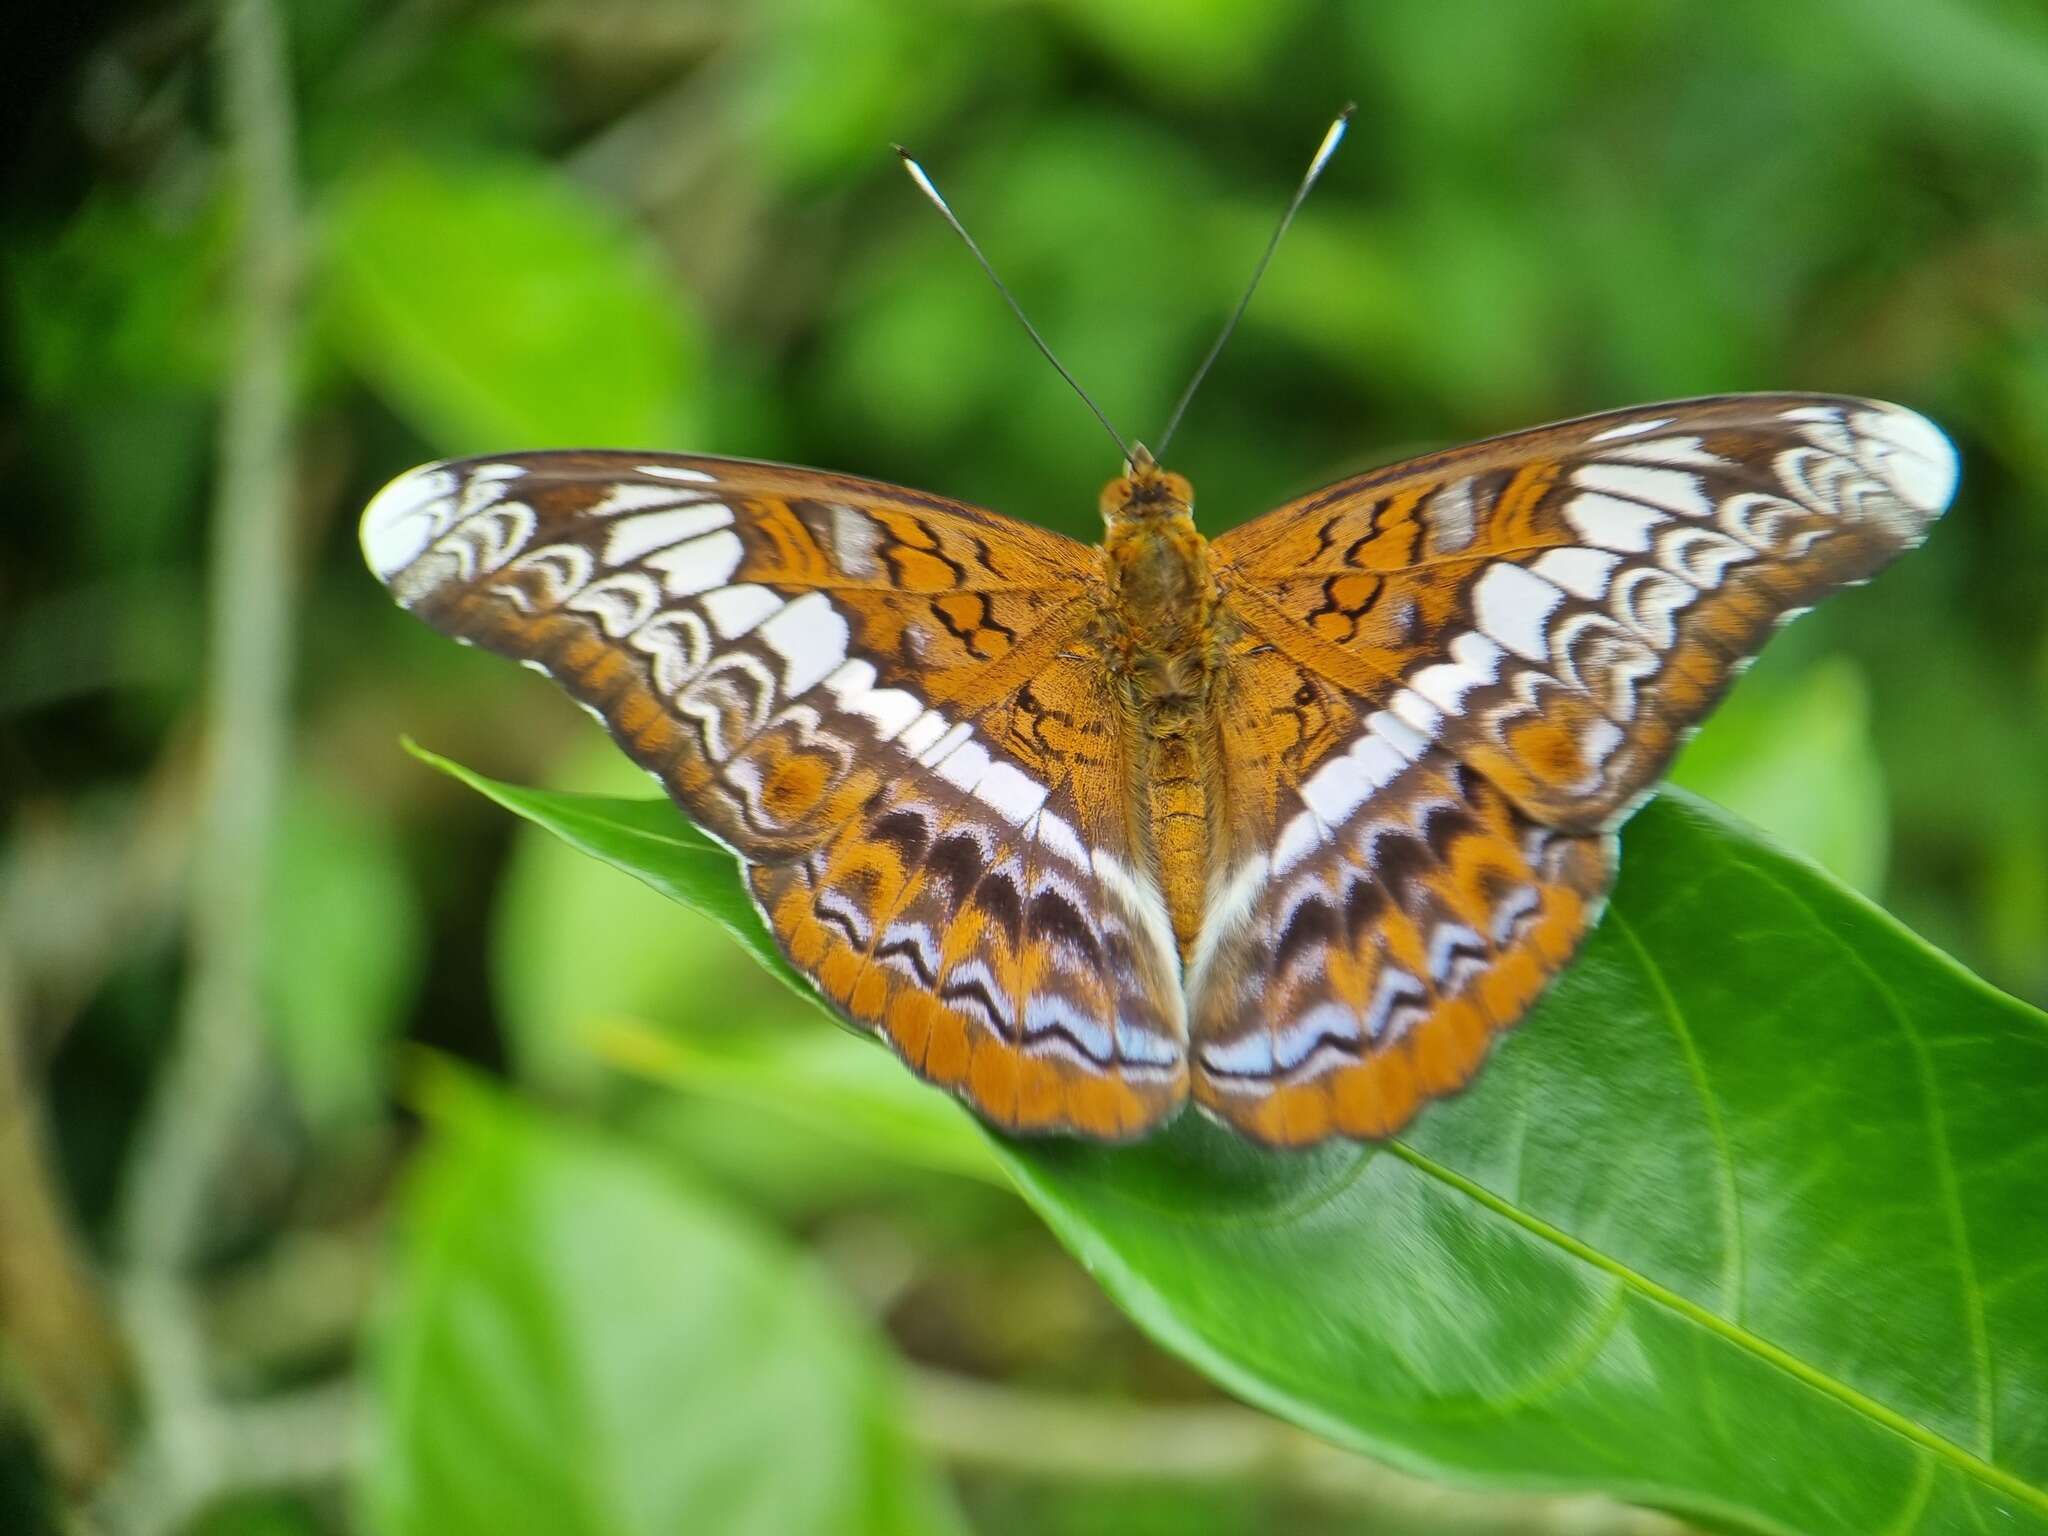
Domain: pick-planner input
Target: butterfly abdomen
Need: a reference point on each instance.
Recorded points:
(1159, 637)
(1179, 779)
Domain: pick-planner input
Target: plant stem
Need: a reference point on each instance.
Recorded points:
(215, 1067)
(206, 1084)
(301, 1439)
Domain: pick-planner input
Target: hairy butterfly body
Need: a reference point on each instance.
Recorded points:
(1292, 823)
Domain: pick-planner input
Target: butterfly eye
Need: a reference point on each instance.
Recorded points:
(1116, 496)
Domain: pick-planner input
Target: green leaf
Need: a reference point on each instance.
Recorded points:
(576, 943)
(1792, 756)
(649, 840)
(594, 972)
(497, 304)
(578, 1343)
(834, 1082)
(1744, 1222)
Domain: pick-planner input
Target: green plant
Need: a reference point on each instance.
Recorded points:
(1739, 1225)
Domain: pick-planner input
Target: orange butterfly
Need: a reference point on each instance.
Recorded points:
(1292, 823)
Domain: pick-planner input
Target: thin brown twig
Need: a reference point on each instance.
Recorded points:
(60, 1335)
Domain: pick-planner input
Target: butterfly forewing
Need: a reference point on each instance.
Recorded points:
(873, 696)
(1559, 606)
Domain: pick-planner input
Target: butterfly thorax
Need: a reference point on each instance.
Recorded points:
(1161, 637)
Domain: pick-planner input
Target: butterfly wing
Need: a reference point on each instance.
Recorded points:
(884, 703)
(1455, 677)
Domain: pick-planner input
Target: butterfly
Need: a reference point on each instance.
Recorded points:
(1291, 824)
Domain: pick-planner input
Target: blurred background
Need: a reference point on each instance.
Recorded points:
(367, 1163)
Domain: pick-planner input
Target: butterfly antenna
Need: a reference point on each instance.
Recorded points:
(1331, 139)
(924, 185)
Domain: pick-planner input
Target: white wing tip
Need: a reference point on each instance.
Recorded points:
(405, 517)
(1914, 455)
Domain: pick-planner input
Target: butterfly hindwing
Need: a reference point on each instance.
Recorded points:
(872, 696)
(990, 961)
(1004, 958)
(1390, 912)
(1559, 607)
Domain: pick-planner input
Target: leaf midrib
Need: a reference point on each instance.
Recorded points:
(1943, 1161)
(1733, 1262)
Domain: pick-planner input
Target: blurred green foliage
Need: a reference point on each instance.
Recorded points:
(679, 225)
(479, 299)
(576, 1341)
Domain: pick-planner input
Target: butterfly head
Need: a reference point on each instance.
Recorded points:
(1146, 493)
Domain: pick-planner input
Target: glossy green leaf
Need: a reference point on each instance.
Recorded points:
(498, 305)
(1744, 1222)
(579, 1343)
(576, 943)
(594, 973)
(825, 1080)
(1790, 753)
(648, 840)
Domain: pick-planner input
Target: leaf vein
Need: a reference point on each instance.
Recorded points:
(1959, 1456)
(1734, 1262)
(1943, 1159)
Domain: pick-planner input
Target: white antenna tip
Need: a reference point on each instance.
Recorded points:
(924, 182)
(1331, 140)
